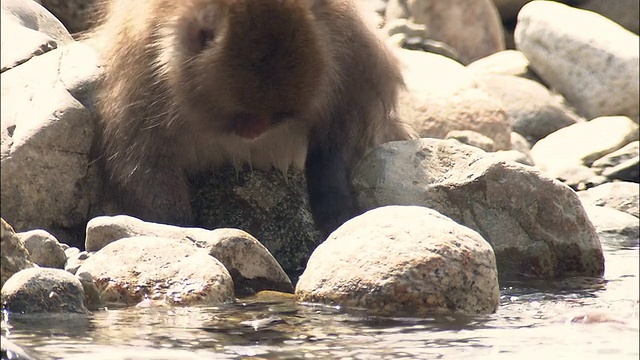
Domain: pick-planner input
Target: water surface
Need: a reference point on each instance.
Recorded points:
(570, 319)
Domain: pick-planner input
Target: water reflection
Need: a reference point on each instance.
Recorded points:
(535, 318)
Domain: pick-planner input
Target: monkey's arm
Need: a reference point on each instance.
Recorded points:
(329, 188)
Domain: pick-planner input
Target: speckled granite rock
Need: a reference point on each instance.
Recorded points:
(15, 256)
(43, 290)
(535, 224)
(175, 271)
(251, 265)
(405, 260)
(44, 249)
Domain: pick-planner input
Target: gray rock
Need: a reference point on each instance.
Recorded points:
(14, 256)
(28, 30)
(536, 225)
(533, 110)
(615, 228)
(251, 265)
(75, 260)
(71, 252)
(405, 27)
(625, 171)
(133, 269)
(507, 62)
(513, 155)
(588, 58)
(621, 164)
(444, 96)
(473, 29)
(629, 151)
(39, 290)
(44, 127)
(519, 143)
(92, 298)
(44, 248)
(472, 138)
(583, 143)
(401, 260)
(269, 205)
(620, 195)
(579, 177)
(411, 36)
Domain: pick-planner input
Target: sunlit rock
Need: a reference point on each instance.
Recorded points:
(251, 265)
(535, 224)
(38, 290)
(132, 269)
(405, 260)
(620, 195)
(44, 249)
(15, 256)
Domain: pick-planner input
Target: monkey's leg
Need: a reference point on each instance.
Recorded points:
(158, 194)
(330, 192)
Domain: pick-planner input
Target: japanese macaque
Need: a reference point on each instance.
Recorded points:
(192, 85)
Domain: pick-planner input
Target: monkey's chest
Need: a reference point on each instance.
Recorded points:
(282, 147)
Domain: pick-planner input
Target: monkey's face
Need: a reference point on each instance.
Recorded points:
(245, 66)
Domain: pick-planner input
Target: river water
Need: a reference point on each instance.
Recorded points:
(570, 319)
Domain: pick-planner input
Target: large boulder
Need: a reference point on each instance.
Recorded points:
(535, 224)
(47, 134)
(588, 58)
(403, 260)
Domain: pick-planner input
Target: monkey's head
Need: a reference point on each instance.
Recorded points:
(244, 66)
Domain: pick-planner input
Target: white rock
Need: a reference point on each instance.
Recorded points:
(588, 58)
(28, 29)
(44, 248)
(620, 195)
(583, 143)
(47, 133)
(615, 228)
(443, 96)
(132, 269)
(250, 263)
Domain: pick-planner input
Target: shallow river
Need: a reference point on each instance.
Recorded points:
(571, 319)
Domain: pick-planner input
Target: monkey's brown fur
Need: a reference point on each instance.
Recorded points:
(191, 85)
